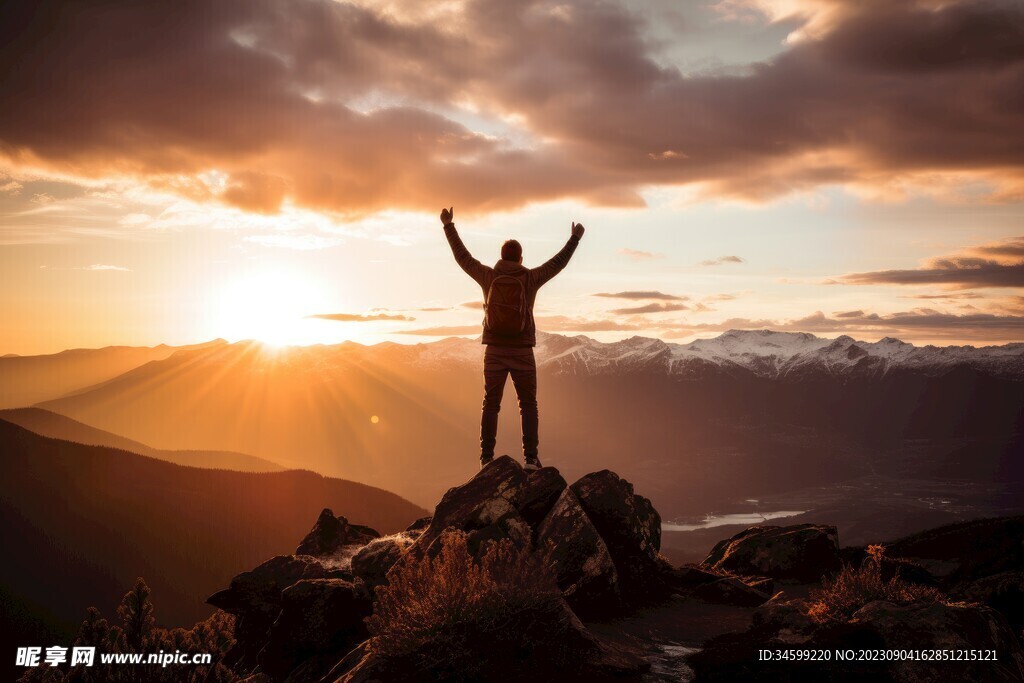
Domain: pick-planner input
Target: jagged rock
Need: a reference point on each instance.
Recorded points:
(297, 615)
(1003, 592)
(630, 527)
(320, 619)
(330, 533)
(254, 597)
(719, 589)
(803, 552)
(487, 499)
(538, 496)
(259, 590)
(583, 566)
(512, 526)
(786, 616)
(765, 584)
(371, 564)
(685, 577)
(547, 642)
(419, 525)
(938, 625)
(967, 551)
(729, 590)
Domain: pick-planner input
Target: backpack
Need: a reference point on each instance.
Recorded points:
(505, 308)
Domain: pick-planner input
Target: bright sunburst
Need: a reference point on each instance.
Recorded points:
(271, 306)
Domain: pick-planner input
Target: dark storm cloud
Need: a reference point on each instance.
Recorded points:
(1007, 249)
(650, 308)
(949, 296)
(642, 295)
(722, 260)
(561, 323)
(961, 272)
(918, 323)
(354, 109)
(999, 264)
(449, 331)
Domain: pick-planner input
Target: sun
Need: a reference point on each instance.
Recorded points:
(271, 306)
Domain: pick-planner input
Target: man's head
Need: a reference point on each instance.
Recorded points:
(512, 251)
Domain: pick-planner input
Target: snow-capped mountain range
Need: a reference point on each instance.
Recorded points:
(764, 353)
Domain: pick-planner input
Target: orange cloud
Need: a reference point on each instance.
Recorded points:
(997, 264)
(357, 108)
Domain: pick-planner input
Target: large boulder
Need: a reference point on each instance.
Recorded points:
(370, 566)
(539, 494)
(420, 524)
(629, 525)
(803, 552)
(488, 499)
(512, 527)
(331, 533)
(728, 590)
(786, 617)
(296, 615)
(254, 598)
(320, 619)
(1003, 592)
(544, 642)
(941, 626)
(694, 582)
(259, 589)
(583, 566)
(967, 551)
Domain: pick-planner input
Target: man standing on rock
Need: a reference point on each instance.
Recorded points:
(509, 332)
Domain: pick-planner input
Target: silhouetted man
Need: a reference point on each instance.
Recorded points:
(509, 331)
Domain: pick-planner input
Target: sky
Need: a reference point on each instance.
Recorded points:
(174, 172)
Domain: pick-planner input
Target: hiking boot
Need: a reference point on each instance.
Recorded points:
(532, 463)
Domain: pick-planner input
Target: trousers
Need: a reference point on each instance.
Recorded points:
(499, 363)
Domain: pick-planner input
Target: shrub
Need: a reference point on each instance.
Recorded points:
(455, 615)
(840, 597)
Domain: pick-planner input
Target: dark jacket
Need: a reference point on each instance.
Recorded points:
(533, 279)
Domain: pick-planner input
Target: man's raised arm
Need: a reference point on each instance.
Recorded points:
(554, 265)
(473, 268)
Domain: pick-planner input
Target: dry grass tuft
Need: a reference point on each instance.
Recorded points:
(839, 598)
(432, 607)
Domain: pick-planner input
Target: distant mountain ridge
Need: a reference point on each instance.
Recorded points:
(764, 353)
(747, 414)
(25, 380)
(54, 426)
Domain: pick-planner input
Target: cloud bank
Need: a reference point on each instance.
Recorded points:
(358, 107)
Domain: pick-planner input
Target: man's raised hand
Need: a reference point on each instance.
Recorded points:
(447, 215)
(577, 229)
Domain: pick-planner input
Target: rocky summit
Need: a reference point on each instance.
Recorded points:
(616, 610)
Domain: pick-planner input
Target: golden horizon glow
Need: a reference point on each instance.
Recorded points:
(270, 306)
(762, 176)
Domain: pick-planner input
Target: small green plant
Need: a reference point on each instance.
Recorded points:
(840, 597)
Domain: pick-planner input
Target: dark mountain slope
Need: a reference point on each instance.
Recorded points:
(54, 426)
(82, 522)
(25, 380)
